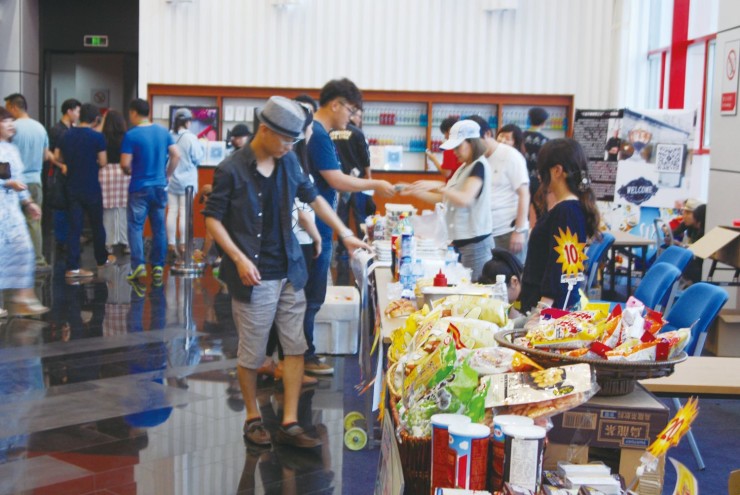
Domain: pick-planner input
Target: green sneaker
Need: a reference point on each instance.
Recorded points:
(138, 288)
(139, 272)
(157, 274)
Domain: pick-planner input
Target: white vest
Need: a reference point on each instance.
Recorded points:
(474, 220)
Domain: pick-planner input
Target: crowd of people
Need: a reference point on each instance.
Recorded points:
(274, 206)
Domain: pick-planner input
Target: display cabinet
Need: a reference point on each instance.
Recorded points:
(406, 120)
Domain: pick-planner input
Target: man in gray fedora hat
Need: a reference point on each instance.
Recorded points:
(249, 216)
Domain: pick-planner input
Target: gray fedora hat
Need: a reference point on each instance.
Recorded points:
(283, 116)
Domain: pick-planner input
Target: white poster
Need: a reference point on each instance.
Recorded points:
(728, 105)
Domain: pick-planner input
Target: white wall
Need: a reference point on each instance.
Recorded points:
(564, 46)
(19, 51)
(724, 174)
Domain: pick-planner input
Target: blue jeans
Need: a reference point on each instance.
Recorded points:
(92, 206)
(316, 286)
(61, 226)
(147, 202)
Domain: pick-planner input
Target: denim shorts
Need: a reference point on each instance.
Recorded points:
(272, 301)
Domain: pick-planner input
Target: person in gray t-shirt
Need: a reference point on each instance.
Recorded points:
(33, 144)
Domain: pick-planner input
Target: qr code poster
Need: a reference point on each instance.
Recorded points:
(670, 158)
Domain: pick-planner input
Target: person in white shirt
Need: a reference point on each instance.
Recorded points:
(509, 193)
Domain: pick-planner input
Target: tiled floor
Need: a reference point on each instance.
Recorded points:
(125, 391)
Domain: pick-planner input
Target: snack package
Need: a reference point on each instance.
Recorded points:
(572, 331)
(611, 329)
(495, 360)
(653, 321)
(541, 393)
(430, 371)
(478, 307)
(664, 346)
(399, 307)
(458, 392)
(634, 323)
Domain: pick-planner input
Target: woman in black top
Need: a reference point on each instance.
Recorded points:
(562, 167)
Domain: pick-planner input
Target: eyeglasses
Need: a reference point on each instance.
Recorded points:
(352, 110)
(285, 139)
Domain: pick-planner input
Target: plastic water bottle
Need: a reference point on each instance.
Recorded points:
(407, 281)
(418, 271)
(500, 291)
(450, 257)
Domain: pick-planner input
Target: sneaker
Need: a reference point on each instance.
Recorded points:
(138, 288)
(157, 274)
(27, 307)
(306, 381)
(316, 367)
(139, 272)
(295, 436)
(79, 273)
(256, 433)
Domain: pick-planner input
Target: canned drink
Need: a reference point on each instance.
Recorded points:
(469, 446)
(443, 470)
(497, 455)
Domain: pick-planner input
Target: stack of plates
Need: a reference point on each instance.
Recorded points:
(427, 248)
(382, 251)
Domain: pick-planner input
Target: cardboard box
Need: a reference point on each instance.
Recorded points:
(721, 244)
(337, 324)
(723, 338)
(628, 421)
(623, 461)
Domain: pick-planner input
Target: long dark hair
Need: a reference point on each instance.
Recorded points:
(114, 128)
(569, 154)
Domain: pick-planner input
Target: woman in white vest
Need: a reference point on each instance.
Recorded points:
(466, 197)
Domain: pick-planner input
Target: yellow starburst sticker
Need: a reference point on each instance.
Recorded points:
(676, 428)
(571, 253)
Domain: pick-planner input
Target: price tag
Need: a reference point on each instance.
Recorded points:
(571, 253)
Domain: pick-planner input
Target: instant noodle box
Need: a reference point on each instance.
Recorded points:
(630, 421)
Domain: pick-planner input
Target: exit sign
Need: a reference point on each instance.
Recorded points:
(95, 41)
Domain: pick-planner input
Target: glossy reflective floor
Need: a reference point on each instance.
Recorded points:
(131, 390)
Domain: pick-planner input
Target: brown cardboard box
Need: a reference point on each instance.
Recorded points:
(628, 421)
(721, 244)
(624, 461)
(723, 338)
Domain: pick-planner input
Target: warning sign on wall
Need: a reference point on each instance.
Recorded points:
(728, 105)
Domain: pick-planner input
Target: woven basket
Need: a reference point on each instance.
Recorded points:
(416, 459)
(614, 377)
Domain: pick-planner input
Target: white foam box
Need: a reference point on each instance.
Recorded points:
(336, 329)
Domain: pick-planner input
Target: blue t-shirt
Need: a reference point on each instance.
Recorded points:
(80, 147)
(31, 139)
(148, 146)
(323, 155)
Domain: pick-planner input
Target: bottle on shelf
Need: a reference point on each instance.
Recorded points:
(500, 292)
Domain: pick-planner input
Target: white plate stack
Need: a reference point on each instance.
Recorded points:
(428, 249)
(382, 251)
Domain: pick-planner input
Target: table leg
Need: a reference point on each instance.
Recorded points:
(612, 269)
(630, 259)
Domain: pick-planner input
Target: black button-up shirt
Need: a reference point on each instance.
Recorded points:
(236, 202)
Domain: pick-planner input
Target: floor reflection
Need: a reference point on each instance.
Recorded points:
(131, 389)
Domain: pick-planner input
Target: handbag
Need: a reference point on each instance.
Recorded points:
(56, 189)
(4, 170)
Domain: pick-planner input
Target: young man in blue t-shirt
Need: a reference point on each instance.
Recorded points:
(144, 154)
(338, 101)
(82, 150)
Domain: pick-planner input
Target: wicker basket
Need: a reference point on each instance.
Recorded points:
(416, 459)
(614, 377)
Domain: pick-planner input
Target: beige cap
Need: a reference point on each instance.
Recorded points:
(691, 204)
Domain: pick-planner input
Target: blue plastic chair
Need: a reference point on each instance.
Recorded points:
(657, 285)
(676, 256)
(596, 253)
(699, 305)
